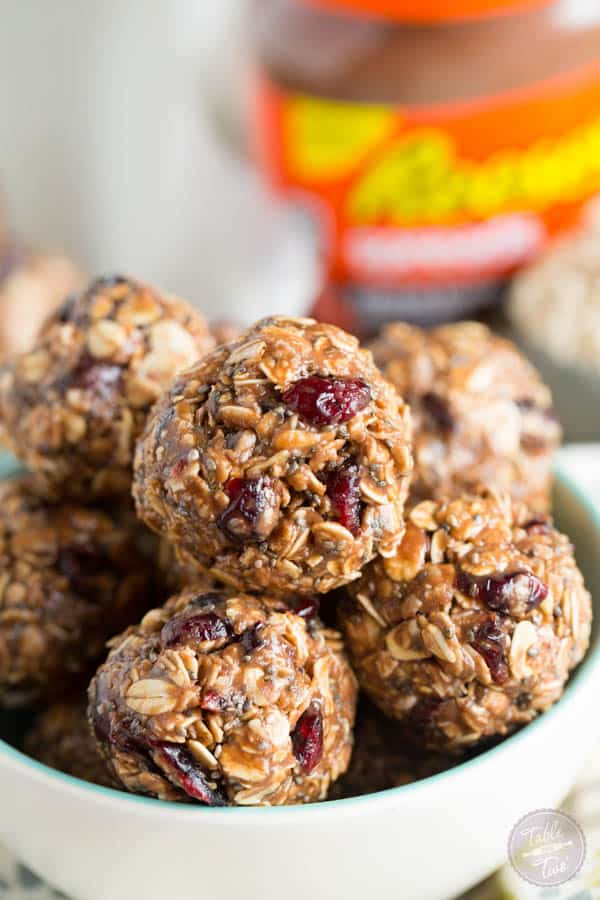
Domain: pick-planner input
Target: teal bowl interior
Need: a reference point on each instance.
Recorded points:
(575, 515)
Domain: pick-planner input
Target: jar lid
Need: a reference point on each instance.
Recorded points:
(428, 10)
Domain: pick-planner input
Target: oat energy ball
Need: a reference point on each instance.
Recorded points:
(222, 698)
(481, 413)
(73, 406)
(280, 462)
(70, 578)
(32, 285)
(61, 738)
(472, 628)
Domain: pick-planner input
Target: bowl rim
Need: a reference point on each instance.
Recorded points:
(135, 802)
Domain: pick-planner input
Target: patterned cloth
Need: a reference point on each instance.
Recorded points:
(582, 464)
(17, 882)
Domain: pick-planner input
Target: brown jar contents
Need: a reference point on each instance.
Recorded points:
(428, 147)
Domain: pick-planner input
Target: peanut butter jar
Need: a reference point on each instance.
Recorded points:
(436, 145)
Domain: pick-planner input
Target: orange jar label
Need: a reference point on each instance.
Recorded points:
(427, 10)
(428, 195)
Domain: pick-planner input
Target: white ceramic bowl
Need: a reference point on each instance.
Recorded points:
(426, 841)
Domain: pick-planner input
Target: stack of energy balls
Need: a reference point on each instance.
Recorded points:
(280, 483)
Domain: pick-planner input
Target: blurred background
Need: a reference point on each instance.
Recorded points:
(125, 136)
(119, 144)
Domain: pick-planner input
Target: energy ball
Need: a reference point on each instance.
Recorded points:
(472, 628)
(225, 699)
(70, 578)
(72, 407)
(481, 413)
(32, 285)
(61, 738)
(280, 462)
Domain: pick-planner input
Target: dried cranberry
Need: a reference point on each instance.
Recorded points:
(344, 492)
(91, 375)
(518, 588)
(327, 401)
(120, 733)
(79, 563)
(252, 511)
(516, 593)
(182, 768)
(307, 737)
(467, 584)
(80, 559)
(496, 592)
(251, 638)
(422, 715)
(438, 411)
(180, 466)
(489, 642)
(195, 629)
(307, 607)
(211, 701)
(102, 727)
(538, 526)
